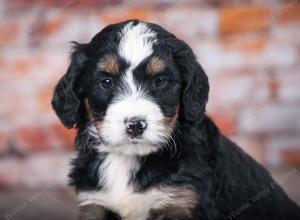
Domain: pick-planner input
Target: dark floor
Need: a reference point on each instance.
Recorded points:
(59, 204)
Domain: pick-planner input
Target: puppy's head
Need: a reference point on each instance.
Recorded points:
(131, 85)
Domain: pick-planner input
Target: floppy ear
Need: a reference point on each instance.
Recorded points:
(66, 102)
(195, 81)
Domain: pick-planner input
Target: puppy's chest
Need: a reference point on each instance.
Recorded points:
(118, 194)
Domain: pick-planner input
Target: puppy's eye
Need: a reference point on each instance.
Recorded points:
(106, 83)
(160, 82)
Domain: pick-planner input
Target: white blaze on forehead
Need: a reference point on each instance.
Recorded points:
(136, 43)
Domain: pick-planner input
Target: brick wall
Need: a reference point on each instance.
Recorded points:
(249, 50)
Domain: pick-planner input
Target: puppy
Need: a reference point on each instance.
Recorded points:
(146, 149)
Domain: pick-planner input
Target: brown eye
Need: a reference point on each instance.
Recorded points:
(106, 83)
(160, 82)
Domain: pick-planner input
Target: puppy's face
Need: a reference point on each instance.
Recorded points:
(133, 91)
(128, 85)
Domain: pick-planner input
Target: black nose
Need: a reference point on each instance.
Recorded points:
(135, 126)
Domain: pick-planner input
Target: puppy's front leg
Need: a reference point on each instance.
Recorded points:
(169, 213)
(96, 212)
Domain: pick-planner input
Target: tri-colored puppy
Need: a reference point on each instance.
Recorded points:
(146, 149)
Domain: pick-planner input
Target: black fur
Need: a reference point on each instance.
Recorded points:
(226, 179)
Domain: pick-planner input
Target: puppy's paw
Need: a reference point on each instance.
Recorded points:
(167, 214)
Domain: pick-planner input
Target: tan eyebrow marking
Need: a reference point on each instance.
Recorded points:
(109, 63)
(155, 65)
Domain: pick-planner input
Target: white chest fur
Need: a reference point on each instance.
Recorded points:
(118, 194)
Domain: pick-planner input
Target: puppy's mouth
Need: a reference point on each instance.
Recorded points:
(130, 146)
(135, 140)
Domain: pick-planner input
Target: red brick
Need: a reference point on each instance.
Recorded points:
(60, 3)
(291, 157)
(276, 144)
(44, 98)
(24, 3)
(66, 135)
(274, 86)
(176, 14)
(52, 25)
(93, 3)
(289, 86)
(288, 12)
(32, 139)
(237, 19)
(225, 120)
(21, 66)
(3, 143)
(2, 62)
(121, 15)
(248, 42)
(10, 32)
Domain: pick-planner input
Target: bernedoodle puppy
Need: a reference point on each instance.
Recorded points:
(146, 148)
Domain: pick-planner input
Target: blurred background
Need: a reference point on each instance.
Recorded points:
(249, 49)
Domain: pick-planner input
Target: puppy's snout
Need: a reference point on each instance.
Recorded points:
(135, 126)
